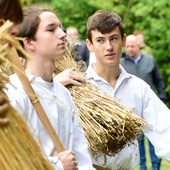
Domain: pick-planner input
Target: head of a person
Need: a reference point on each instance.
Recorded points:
(140, 37)
(132, 47)
(42, 31)
(104, 22)
(105, 33)
(11, 10)
(72, 33)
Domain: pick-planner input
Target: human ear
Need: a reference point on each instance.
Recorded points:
(28, 43)
(89, 45)
(124, 40)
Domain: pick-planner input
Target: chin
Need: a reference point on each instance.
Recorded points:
(59, 55)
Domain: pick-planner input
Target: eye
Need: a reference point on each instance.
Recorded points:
(114, 38)
(100, 40)
(51, 29)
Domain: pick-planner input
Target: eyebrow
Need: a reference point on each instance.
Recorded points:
(54, 24)
(109, 36)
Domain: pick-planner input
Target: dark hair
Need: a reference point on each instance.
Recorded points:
(29, 26)
(105, 22)
(11, 10)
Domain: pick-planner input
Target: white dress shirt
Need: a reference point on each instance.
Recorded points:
(58, 104)
(137, 95)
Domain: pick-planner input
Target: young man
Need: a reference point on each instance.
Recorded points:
(106, 38)
(43, 39)
(9, 10)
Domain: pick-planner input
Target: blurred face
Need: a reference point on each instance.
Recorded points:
(71, 35)
(132, 48)
(13, 30)
(107, 47)
(140, 39)
(50, 36)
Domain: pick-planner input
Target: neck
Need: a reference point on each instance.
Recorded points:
(39, 68)
(110, 74)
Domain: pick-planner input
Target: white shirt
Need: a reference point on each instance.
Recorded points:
(137, 95)
(58, 104)
(92, 58)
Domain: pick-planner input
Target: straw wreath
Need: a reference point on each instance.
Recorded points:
(18, 149)
(108, 125)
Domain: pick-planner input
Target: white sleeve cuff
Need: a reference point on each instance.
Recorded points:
(56, 162)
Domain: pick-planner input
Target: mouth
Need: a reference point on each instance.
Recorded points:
(110, 54)
(61, 44)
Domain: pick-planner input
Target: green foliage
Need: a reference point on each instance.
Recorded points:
(150, 16)
(74, 13)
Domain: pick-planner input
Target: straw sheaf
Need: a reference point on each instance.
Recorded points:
(6, 41)
(108, 125)
(18, 149)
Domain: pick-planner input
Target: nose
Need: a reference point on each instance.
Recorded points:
(62, 34)
(109, 45)
(13, 30)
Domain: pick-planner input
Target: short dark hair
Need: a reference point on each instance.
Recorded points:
(29, 26)
(11, 10)
(105, 22)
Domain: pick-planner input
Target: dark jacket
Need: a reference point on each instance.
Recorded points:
(82, 52)
(146, 69)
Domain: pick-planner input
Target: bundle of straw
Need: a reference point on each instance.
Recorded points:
(18, 149)
(108, 125)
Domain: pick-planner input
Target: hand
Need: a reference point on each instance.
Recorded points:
(68, 159)
(3, 110)
(70, 76)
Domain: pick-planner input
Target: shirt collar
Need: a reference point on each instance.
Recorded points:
(92, 74)
(135, 60)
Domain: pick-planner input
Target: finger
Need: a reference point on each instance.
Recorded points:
(4, 108)
(77, 83)
(3, 121)
(73, 69)
(2, 100)
(78, 78)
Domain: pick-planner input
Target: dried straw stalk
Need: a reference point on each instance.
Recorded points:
(17, 147)
(108, 125)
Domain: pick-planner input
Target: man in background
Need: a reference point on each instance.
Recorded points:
(144, 48)
(82, 52)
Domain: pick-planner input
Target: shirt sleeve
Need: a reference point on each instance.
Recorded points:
(159, 83)
(157, 116)
(80, 146)
(56, 162)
